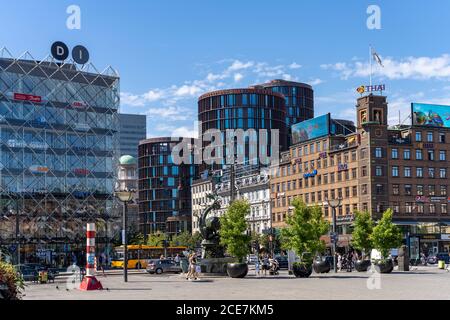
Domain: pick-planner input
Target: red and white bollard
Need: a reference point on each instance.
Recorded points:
(90, 282)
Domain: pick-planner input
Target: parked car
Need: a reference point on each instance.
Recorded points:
(163, 266)
(282, 262)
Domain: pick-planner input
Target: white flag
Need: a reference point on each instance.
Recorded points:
(377, 58)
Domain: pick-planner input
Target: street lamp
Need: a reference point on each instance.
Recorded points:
(334, 203)
(125, 196)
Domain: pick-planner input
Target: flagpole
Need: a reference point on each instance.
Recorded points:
(370, 61)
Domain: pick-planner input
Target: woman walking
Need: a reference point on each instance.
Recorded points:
(192, 267)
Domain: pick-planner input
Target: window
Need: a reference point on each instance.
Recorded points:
(395, 171)
(419, 136)
(363, 153)
(408, 189)
(443, 190)
(364, 189)
(432, 190)
(364, 171)
(379, 189)
(431, 173)
(420, 190)
(395, 189)
(431, 155)
(378, 152)
(407, 154)
(394, 153)
(408, 207)
(420, 208)
(432, 208)
(355, 191)
(442, 155)
(379, 171)
(443, 208)
(408, 172)
(430, 136)
(347, 192)
(443, 173)
(419, 155)
(354, 173)
(441, 137)
(396, 207)
(353, 155)
(419, 172)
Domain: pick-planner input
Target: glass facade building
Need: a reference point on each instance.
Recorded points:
(58, 156)
(164, 187)
(299, 100)
(244, 109)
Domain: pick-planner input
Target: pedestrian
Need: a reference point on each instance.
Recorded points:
(339, 262)
(177, 259)
(102, 263)
(265, 264)
(192, 267)
(257, 266)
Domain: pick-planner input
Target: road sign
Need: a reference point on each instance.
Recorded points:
(334, 237)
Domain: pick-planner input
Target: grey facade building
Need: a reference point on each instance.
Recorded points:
(133, 128)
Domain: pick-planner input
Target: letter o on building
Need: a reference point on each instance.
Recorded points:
(80, 55)
(60, 51)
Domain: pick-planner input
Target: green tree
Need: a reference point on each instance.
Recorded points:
(233, 226)
(156, 239)
(11, 283)
(304, 228)
(362, 232)
(137, 239)
(192, 241)
(386, 235)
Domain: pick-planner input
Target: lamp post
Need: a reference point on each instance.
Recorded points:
(125, 196)
(334, 203)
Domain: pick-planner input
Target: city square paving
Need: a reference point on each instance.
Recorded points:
(419, 283)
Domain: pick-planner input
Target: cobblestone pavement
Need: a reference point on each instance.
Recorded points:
(419, 283)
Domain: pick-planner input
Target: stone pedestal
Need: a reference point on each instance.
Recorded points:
(403, 259)
(215, 266)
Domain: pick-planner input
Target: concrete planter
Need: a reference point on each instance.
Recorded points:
(384, 266)
(321, 267)
(362, 265)
(237, 270)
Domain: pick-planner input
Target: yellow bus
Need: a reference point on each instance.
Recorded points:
(139, 255)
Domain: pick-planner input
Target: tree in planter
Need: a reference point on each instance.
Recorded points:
(233, 227)
(362, 232)
(386, 235)
(304, 228)
(11, 284)
(156, 239)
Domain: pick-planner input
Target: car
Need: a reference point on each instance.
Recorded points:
(282, 262)
(163, 266)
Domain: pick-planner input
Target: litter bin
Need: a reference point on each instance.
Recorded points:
(43, 276)
(441, 264)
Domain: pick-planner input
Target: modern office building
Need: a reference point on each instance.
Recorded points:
(245, 109)
(58, 129)
(299, 99)
(133, 129)
(164, 187)
(375, 168)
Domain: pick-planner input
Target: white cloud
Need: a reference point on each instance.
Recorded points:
(315, 82)
(239, 65)
(170, 113)
(295, 65)
(238, 77)
(185, 132)
(187, 90)
(419, 68)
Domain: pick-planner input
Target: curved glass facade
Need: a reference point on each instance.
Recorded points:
(57, 158)
(299, 99)
(244, 109)
(164, 187)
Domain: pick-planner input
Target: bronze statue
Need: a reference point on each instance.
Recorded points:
(209, 230)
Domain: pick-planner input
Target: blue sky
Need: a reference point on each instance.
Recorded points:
(170, 52)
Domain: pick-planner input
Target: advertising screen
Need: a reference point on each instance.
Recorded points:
(431, 115)
(311, 129)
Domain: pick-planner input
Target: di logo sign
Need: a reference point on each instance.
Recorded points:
(60, 51)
